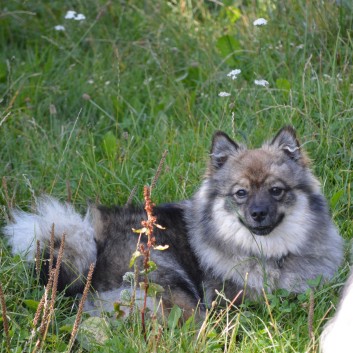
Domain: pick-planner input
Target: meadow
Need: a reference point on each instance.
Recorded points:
(88, 109)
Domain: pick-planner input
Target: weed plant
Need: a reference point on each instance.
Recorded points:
(86, 113)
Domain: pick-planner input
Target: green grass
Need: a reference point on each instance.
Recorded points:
(95, 106)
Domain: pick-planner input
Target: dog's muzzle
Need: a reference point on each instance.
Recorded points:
(263, 230)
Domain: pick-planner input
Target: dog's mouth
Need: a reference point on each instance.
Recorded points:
(263, 230)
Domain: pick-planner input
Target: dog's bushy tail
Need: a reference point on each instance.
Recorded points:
(80, 248)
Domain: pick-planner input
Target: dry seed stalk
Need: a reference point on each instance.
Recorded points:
(311, 314)
(69, 193)
(51, 248)
(131, 196)
(5, 323)
(57, 271)
(46, 308)
(80, 308)
(45, 305)
(38, 311)
(8, 200)
(159, 170)
(37, 258)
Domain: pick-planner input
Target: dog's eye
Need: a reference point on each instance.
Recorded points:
(276, 191)
(241, 193)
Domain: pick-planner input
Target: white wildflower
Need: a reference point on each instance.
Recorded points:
(260, 22)
(147, 80)
(59, 28)
(223, 94)
(263, 83)
(70, 15)
(300, 46)
(234, 74)
(79, 17)
(73, 15)
(90, 81)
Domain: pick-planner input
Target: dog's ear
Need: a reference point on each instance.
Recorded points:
(286, 140)
(222, 147)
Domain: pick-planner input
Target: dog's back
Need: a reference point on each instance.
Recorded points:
(105, 236)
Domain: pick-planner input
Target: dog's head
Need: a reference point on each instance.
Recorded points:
(261, 185)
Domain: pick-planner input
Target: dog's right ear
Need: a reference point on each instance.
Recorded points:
(222, 147)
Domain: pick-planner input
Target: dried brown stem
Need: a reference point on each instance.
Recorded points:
(69, 193)
(51, 248)
(80, 308)
(45, 305)
(8, 200)
(5, 323)
(39, 311)
(159, 170)
(131, 196)
(38, 257)
(311, 314)
(56, 272)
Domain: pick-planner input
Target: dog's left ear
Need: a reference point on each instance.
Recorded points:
(287, 141)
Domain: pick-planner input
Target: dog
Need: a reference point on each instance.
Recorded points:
(336, 335)
(258, 222)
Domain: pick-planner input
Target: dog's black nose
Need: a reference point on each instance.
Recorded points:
(259, 213)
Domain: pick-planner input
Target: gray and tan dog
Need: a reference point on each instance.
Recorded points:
(259, 219)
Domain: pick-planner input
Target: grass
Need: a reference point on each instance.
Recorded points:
(95, 106)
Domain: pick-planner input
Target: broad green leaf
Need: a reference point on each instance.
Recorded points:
(314, 283)
(31, 304)
(233, 13)
(174, 317)
(134, 256)
(282, 83)
(227, 46)
(153, 289)
(110, 144)
(119, 313)
(335, 198)
(66, 328)
(151, 267)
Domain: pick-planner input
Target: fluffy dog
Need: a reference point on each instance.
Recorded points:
(336, 336)
(258, 220)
